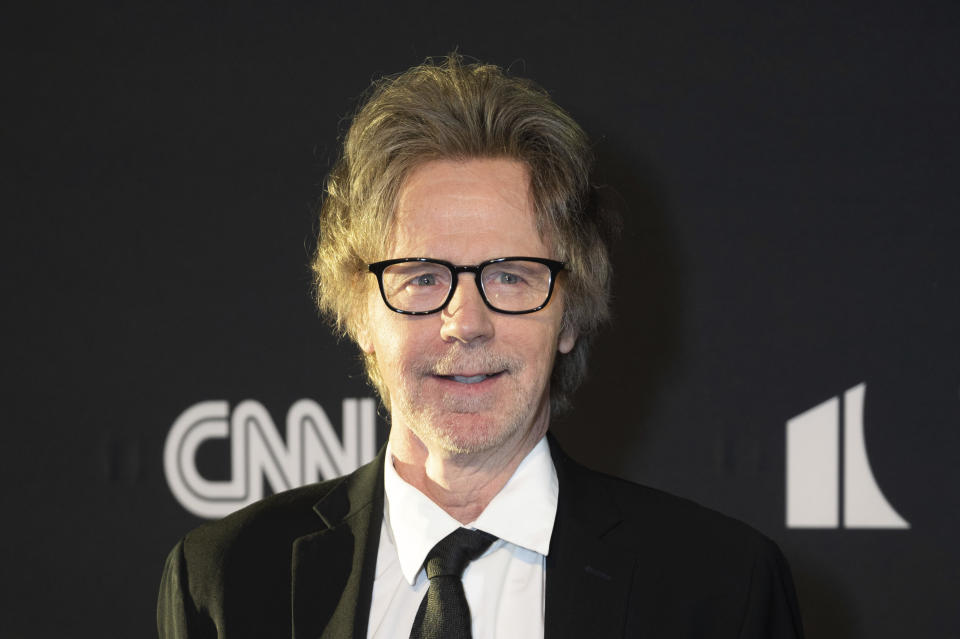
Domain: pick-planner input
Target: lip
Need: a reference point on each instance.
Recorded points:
(468, 381)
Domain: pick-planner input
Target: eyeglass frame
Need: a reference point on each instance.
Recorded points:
(377, 268)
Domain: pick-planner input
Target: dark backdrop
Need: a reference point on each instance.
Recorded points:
(789, 174)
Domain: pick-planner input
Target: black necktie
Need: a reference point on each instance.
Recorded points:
(444, 613)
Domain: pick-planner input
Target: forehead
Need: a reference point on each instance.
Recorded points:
(467, 211)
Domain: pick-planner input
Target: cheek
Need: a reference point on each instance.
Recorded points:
(400, 339)
(539, 344)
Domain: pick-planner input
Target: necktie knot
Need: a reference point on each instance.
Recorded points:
(451, 555)
(444, 612)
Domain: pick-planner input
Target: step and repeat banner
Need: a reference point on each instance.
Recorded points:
(785, 345)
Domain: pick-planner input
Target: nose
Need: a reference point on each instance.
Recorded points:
(466, 318)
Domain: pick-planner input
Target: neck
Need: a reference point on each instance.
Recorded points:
(462, 484)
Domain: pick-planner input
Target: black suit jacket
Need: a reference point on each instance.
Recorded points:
(624, 561)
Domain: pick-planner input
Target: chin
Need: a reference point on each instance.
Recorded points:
(465, 425)
(461, 433)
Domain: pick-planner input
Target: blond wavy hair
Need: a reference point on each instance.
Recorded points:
(449, 109)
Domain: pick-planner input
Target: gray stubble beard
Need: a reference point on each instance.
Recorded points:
(435, 424)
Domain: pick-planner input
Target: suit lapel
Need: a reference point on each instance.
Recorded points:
(333, 568)
(588, 582)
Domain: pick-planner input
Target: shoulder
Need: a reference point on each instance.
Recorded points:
(278, 520)
(257, 538)
(691, 565)
(282, 516)
(238, 571)
(659, 528)
(670, 517)
(223, 569)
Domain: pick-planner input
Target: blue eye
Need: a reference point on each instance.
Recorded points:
(426, 280)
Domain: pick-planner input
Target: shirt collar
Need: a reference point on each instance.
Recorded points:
(522, 513)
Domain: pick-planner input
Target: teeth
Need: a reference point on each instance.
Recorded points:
(469, 380)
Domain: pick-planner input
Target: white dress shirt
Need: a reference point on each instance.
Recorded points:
(505, 586)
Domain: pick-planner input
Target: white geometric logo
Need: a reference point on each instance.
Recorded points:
(813, 469)
(257, 453)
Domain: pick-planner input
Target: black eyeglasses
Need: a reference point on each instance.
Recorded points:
(420, 286)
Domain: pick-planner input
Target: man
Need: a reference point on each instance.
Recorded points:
(461, 250)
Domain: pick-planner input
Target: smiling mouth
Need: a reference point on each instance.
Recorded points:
(470, 379)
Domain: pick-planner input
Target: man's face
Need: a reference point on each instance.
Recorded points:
(467, 379)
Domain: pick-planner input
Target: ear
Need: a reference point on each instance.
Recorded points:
(358, 321)
(365, 343)
(567, 340)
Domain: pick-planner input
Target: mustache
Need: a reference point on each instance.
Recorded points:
(458, 360)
